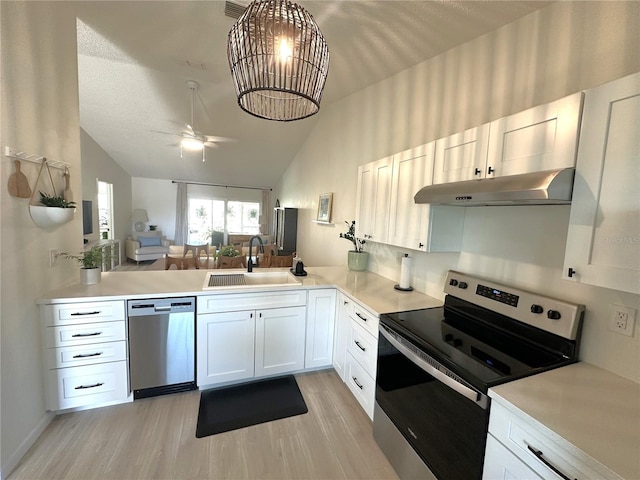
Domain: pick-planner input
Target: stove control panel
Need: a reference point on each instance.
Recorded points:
(550, 314)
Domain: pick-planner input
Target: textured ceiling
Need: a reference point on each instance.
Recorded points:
(134, 59)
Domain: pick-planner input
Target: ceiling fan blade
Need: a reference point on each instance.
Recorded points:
(211, 145)
(212, 138)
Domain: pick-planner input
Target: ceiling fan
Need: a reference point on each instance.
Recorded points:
(193, 140)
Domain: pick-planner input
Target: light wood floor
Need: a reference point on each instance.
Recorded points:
(155, 439)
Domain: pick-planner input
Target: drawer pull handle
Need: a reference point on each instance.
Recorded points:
(82, 387)
(75, 314)
(539, 456)
(94, 334)
(355, 380)
(85, 355)
(359, 346)
(364, 319)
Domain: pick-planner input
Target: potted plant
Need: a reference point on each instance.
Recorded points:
(228, 251)
(357, 258)
(153, 228)
(52, 211)
(91, 261)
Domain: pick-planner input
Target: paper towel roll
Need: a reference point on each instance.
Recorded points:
(405, 272)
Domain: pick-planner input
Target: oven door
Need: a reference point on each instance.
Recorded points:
(443, 418)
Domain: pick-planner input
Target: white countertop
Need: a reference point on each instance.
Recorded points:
(596, 411)
(375, 292)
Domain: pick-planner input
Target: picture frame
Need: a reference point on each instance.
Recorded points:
(325, 203)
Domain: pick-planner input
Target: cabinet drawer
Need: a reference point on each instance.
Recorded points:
(518, 435)
(365, 318)
(361, 385)
(85, 354)
(501, 464)
(85, 334)
(71, 313)
(363, 347)
(258, 300)
(88, 385)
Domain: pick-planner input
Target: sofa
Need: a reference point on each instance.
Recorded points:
(143, 246)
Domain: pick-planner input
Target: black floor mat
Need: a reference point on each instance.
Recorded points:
(229, 408)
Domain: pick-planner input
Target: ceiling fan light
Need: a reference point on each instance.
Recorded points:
(192, 144)
(279, 61)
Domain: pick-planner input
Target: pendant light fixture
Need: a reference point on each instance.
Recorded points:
(279, 61)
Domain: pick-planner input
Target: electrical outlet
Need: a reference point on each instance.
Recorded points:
(622, 319)
(53, 257)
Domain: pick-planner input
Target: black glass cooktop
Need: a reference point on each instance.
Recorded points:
(482, 353)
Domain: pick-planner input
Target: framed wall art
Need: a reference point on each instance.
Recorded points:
(324, 207)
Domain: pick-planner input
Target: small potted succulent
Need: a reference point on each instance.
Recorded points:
(91, 261)
(357, 258)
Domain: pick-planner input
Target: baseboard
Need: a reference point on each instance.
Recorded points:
(10, 463)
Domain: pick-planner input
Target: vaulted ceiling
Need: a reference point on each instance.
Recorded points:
(134, 59)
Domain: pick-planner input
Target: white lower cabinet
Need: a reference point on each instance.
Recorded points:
(86, 356)
(225, 346)
(237, 339)
(501, 464)
(321, 313)
(518, 448)
(356, 350)
(280, 340)
(341, 334)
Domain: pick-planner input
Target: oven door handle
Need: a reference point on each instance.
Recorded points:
(473, 395)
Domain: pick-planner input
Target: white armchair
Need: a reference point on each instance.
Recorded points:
(146, 246)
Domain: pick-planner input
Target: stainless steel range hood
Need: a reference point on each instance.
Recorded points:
(551, 187)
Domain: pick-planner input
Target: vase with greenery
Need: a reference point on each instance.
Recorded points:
(91, 263)
(357, 258)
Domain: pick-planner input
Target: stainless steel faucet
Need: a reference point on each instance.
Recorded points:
(250, 262)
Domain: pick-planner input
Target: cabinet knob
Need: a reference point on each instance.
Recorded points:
(571, 272)
(477, 171)
(553, 315)
(420, 245)
(490, 170)
(536, 308)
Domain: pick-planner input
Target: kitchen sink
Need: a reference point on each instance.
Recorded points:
(215, 280)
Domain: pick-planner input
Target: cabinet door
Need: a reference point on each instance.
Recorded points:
(501, 464)
(373, 197)
(321, 311)
(225, 344)
(604, 224)
(408, 221)
(461, 156)
(280, 338)
(341, 334)
(540, 138)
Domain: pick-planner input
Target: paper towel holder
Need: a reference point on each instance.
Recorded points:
(398, 287)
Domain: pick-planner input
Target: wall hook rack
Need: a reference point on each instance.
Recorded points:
(33, 158)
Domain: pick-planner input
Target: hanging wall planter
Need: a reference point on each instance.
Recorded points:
(54, 210)
(50, 218)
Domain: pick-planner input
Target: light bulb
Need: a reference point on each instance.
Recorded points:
(192, 144)
(285, 49)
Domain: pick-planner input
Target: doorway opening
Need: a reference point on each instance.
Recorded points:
(105, 210)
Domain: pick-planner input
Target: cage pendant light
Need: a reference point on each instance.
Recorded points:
(279, 61)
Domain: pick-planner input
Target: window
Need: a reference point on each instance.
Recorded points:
(217, 218)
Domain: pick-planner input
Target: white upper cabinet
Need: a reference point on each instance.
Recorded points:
(419, 226)
(462, 156)
(604, 225)
(373, 196)
(540, 138)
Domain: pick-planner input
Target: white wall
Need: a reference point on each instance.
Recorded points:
(561, 49)
(39, 116)
(98, 165)
(158, 198)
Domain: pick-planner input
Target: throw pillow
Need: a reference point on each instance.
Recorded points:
(150, 241)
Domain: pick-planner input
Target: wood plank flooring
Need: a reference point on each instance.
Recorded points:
(155, 439)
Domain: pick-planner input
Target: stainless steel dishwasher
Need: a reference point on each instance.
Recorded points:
(161, 346)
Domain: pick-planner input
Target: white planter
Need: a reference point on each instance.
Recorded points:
(90, 276)
(50, 218)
